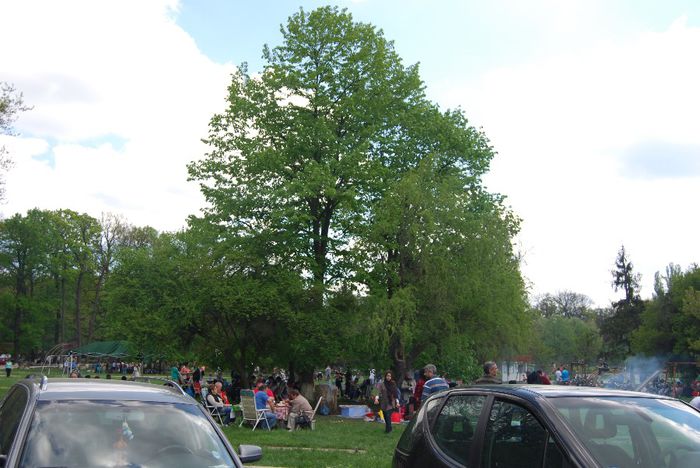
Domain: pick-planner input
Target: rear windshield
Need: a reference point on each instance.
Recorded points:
(639, 432)
(132, 434)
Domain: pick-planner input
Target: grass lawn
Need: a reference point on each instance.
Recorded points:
(336, 442)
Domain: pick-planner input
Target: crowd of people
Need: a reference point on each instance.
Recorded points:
(270, 393)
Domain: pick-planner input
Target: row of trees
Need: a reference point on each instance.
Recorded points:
(568, 329)
(346, 220)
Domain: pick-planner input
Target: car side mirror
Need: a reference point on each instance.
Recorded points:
(249, 453)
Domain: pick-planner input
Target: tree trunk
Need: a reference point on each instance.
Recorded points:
(20, 297)
(329, 392)
(399, 361)
(307, 385)
(62, 311)
(95, 308)
(78, 294)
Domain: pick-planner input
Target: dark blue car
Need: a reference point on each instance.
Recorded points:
(550, 426)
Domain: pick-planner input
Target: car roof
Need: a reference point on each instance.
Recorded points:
(560, 391)
(97, 389)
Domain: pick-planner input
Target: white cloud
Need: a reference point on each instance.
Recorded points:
(98, 72)
(562, 128)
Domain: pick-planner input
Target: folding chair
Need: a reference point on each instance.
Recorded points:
(250, 412)
(213, 411)
(313, 415)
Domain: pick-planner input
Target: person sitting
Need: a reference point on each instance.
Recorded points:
(298, 405)
(264, 402)
(215, 399)
(258, 386)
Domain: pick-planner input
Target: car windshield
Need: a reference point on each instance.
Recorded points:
(639, 432)
(126, 433)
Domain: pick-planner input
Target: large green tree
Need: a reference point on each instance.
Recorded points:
(300, 152)
(333, 165)
(21, 263)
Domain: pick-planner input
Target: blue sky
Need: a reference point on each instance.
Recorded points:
(590, 104)
(446, 37)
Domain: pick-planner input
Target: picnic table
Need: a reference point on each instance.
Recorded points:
(282, 413)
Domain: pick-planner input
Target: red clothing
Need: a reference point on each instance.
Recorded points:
(418, 392)
(268, 391)
(545, 380)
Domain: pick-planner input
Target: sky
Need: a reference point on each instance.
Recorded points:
(592, 107)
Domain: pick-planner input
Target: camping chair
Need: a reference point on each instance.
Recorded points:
(250, 412)
(213, 411)
(311, 424)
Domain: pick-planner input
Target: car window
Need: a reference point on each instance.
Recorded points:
(554, 457)
(640, 432)
(453, 431)
(431, 409)
(513, 438)
(131, 433)
(414, 425)
(10, 416)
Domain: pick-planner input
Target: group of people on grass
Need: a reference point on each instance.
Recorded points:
(220, 394)
(388, 393)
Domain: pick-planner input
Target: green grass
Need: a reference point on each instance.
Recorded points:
(6, 383)
(336, 441)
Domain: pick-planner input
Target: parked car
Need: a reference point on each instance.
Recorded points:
(550, 426)
(80, 422)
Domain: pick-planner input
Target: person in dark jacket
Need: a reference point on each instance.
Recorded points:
(490, 374)
(388, 399)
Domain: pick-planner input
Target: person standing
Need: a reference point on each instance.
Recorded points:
(418, 392)
(388, 399)
(8, 367)
(490, 374)
(557, 375)
(433, 384)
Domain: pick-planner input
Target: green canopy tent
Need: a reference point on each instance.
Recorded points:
(113, 349)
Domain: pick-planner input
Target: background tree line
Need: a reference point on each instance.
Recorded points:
(568, 329)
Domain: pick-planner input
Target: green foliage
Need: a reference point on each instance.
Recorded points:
(567, 339)
(670, 322)
(454, 357)
(446, 264)
(618, 328)
(332, 165)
